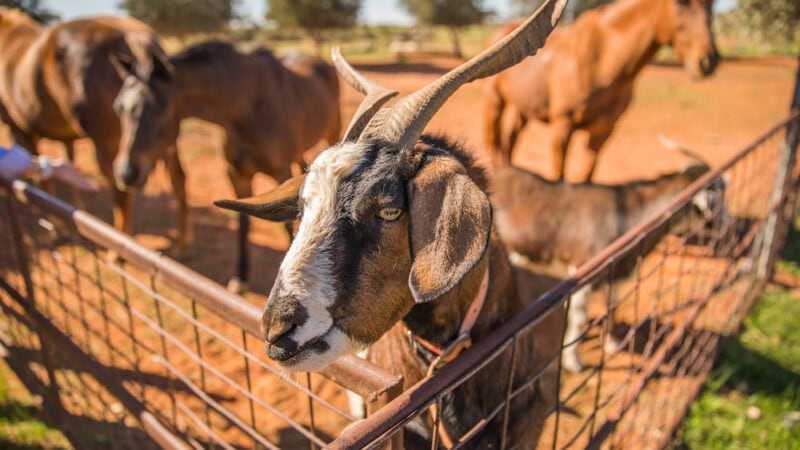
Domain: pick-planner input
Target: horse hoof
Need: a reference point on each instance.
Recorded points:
(236, 286)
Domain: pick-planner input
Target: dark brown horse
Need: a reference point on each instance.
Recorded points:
(272, 108)
(583, 77)
(59, 83)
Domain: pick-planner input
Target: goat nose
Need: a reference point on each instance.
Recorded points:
(281, 317)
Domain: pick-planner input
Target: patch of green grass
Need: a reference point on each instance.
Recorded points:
(752, 398)
(20, 425)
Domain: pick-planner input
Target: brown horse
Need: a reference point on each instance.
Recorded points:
(273, 109)
(59, 83)
(583, 77)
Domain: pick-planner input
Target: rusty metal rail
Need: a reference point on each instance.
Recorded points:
(147, 349)
(668, 315)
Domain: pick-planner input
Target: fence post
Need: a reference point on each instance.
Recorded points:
(783, 182)
(48, 353)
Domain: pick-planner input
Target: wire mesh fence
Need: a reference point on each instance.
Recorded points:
(659, 300)
(138, 351)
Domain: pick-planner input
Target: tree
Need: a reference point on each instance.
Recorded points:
(453, 14)
(574, 7)
(315, 17)
(32, 8)
(770, 21)
(182, 17)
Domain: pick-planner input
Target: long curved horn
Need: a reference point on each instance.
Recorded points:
(376, 95)
(403, 122)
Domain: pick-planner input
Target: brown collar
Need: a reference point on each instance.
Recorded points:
(436, 356)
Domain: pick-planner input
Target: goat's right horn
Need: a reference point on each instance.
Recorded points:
(403, 122)
(376, 95)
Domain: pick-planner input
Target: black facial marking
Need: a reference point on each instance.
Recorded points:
(375, 183)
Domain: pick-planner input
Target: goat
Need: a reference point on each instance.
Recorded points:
(273, 109)
(561, 224)
(396, 239)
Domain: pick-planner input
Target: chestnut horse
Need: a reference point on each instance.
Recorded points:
(272, 108)
(583, 77)
(59, 83)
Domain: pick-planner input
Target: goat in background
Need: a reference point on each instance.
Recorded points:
(562, 225)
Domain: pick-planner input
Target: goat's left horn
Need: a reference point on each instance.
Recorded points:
(403, 122)
(376, 95)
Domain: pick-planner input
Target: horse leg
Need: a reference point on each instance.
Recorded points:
(561, 132)
(516, 128)
(77, 201)
(121, 201)
(599, 132)
(177, 178)
(242, 186)
(494, 104)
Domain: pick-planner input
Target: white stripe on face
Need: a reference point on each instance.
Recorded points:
(306, 272)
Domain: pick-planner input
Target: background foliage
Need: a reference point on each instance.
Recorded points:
(182, 17)
(33, 8)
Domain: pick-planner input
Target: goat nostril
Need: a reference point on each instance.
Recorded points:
(279, 329)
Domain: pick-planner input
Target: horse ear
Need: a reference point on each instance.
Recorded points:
(162, 66)
(278, 205)
(122, 64)
(450, 222)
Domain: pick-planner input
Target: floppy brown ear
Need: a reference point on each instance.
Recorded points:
(450, 221)
(277, 205)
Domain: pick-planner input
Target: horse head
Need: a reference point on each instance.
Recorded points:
(148, 124)
(686, 26)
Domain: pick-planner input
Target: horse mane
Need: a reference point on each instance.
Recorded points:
(204, 51)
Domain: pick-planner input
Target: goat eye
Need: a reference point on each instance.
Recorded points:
(390, 213)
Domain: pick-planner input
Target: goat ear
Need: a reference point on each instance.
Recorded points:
(122, 64)
(277, 205)
(450, 221)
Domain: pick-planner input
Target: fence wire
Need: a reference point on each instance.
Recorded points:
(138, 351)
(661, 298)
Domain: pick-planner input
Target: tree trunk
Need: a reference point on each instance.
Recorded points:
(456, 44)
